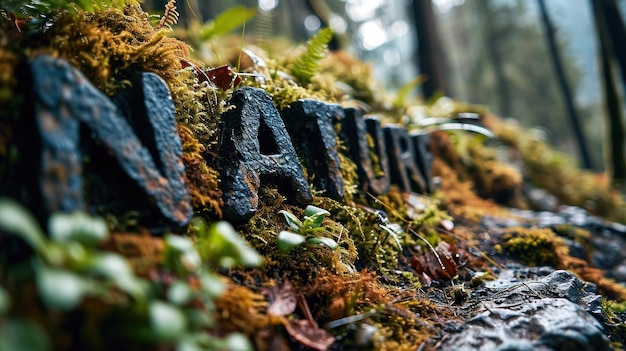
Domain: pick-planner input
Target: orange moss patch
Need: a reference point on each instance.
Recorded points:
(459, 197)
(242, 310)
(559, 174)
(395, 312)
(203, 180)
(143, 251)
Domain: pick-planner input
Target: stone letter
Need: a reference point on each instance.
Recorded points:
(255, 148)
(311, 123)
(404, 171)
(354, 131)
(423, 157)
(64, 101)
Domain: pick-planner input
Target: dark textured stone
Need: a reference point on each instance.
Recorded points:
(553, 312)
(354, 132)
(311, 123)
(255, 148)
(402, 166)
(77, 122)
(423, 158)
(375, 130)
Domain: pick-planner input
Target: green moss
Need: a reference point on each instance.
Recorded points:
(536, 246)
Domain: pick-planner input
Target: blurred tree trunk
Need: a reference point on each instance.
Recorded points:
(431, 60)
(608, 27)
(565, 89)
(493, 50)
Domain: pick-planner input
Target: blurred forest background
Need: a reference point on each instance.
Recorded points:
(490, 52)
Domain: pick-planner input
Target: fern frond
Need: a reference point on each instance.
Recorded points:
(170, 16)
(306, 65)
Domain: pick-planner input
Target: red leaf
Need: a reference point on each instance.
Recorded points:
(223, 76)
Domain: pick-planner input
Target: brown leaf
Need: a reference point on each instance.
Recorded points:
(438, 264)
(282, 299)
(309, 335)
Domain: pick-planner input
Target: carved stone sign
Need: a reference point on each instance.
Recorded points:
(123, 154)
(357, 132)
(254, 148)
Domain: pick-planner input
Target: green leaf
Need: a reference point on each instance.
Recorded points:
(80, 227)
(403, 92)
(22, 334)
(235, 342)
(168, 323)
(314, 216)
(16, 220)
(237, 248)
(325, 241)
(181, 255)
(306, 65)
(221, 246)
(116, 269)
(287, 241)
(187, 344)
(59, 288)
(179, 293)
(212, 285)
(226, 22)
(294, 223)
(311, 210)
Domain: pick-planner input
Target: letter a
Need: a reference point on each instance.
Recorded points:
(254, 149)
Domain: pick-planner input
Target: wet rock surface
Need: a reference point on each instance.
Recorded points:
(528, 309)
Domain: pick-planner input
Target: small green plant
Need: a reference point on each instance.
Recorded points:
(220, 245)
(68, 265)
(304, 231)
(70, 274)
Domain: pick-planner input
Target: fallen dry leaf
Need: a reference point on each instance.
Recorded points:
(309, 335)
(438, 264)
(282, 299)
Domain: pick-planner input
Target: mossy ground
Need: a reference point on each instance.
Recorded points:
(370, 277)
